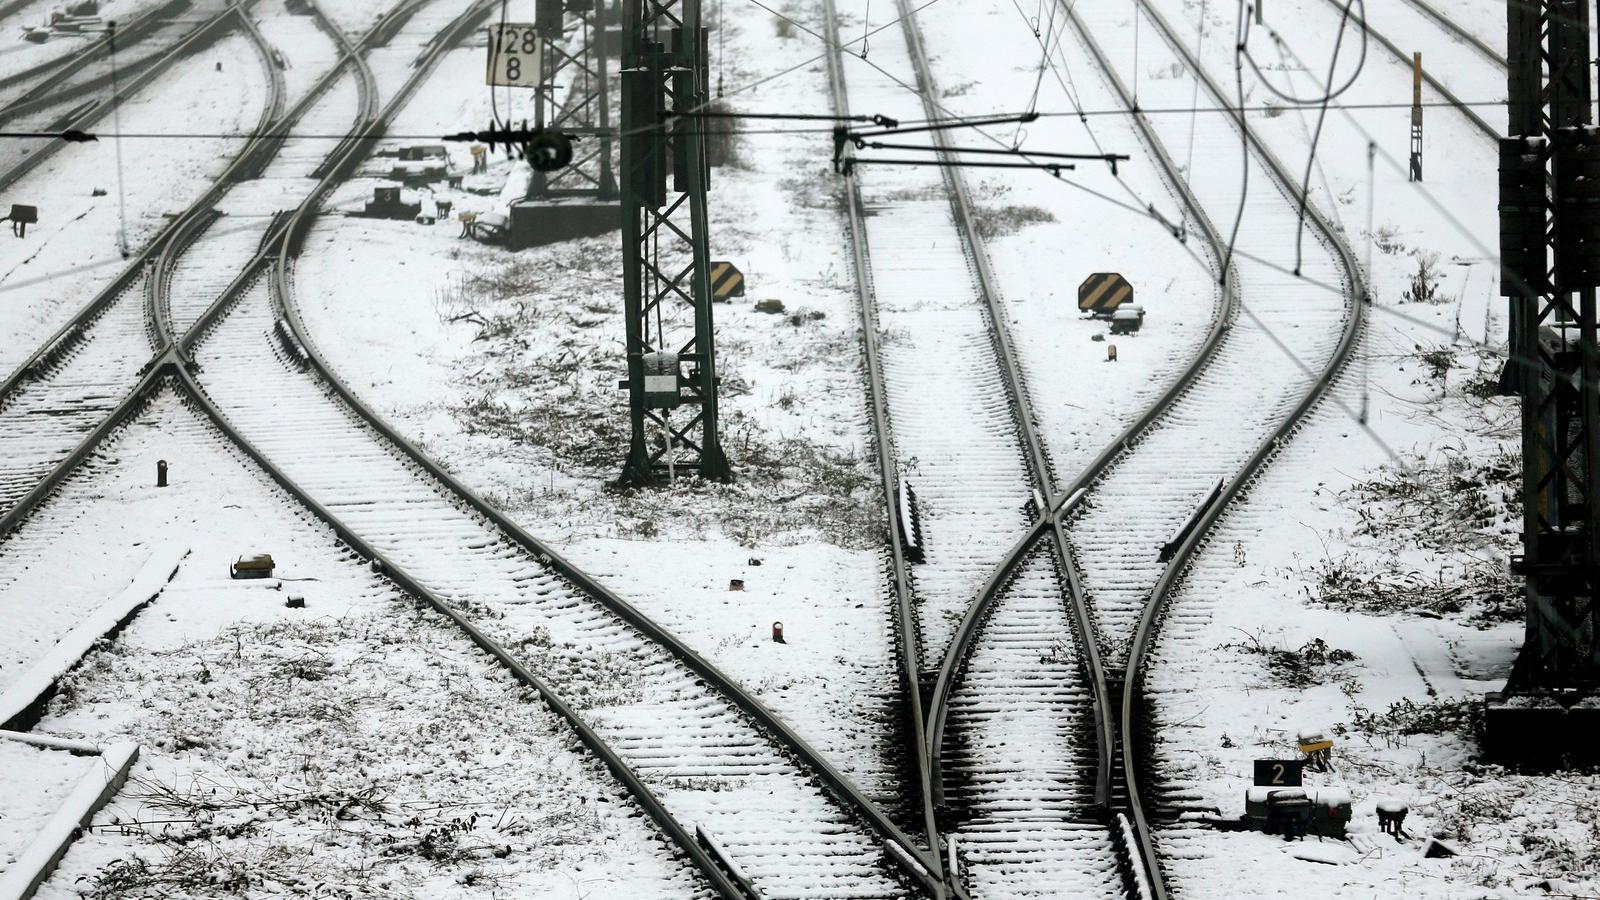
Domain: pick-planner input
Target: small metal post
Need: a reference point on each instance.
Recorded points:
(1416, 117)
(777, 633)
(161, 473)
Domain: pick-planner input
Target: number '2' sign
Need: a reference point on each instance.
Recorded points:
(514, 55)
(1278, 772)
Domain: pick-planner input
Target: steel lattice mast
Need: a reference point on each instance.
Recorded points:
(1550, 235)
(574, 67)
(666, 263)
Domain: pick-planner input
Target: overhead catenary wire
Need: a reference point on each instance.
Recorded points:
(1322, 116)
(434, 136)
(1082, 114)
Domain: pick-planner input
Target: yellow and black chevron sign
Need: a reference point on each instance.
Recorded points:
(726, 281)
(1103, 292)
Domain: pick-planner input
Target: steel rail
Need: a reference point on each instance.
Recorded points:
(134, 31)
(838, 784)
(1060, 504)
(172, 366)
(212, 30)
(1147, 630)
(249, 160)
(909, 645)
(159, 256)
(293, 234)
(1033, 446)
(1432, 12)
(175, 358)
(1472, 116)
(685, 842)
(169, 369)
(367, 90)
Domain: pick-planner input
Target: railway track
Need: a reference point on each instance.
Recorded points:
(1493, 88)
(719, 761)
(56, 111)
(1266, 330)
(67, 388)
(72, 382)
(938, 397)
(437, 702)
(1015, 738)
(1015, 778)
(735, 777)
(1466, 35)
(84, 68)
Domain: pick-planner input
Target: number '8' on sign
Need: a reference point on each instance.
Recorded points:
(514, 55)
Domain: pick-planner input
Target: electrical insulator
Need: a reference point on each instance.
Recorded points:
(548, 151)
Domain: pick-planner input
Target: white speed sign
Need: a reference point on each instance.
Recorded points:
(514, 55)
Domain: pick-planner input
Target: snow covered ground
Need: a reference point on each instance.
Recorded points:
(88, 203)
(355, 742)
(505, 369)
(359, 745)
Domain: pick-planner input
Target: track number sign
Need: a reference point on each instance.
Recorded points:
(1278, 772)
(514, 55)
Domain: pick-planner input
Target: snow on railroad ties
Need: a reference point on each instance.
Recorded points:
(504, 368)
(950, 414)
(711, 766)
(317, 132)
(1307, 610)
(52, 411)
(1358, 592)
(1463, 69)
(307, 51)
(1407, 228)
(1248, 387)
(1018, 756)
(1044, 235)
(357, 742)
(73, 252)
(356, 18)
(391, 63)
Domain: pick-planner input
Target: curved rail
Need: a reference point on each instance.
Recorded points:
(171, 366)
(1148, 628)
(910, 651)
(212, 30)
(252, 157)
(67, 64)
(722, 883)
(1032, 446)
(1449, 25)
(836, 782)
(1061, 503)
(1472, 116)
(288, 245)
(277, 133)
